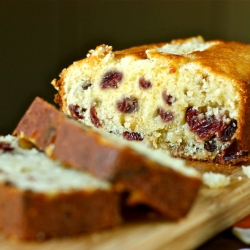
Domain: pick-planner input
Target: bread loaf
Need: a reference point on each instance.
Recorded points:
(40, 198)
(189, 97)
(151, 177)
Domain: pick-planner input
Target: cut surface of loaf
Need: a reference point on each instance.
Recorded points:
(151, 177)
(40, 198)
(189, 97)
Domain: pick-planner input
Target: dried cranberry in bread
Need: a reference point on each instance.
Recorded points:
(40, 198)
(151, 177)
(188, 97)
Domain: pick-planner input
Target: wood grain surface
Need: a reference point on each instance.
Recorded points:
(213, 211)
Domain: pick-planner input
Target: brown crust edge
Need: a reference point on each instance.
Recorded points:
(26, 215)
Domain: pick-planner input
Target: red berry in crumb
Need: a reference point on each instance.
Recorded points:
(144, 84)
(168, 99)
(127, 105)
(132, 136)
(166, 116)
(111, 79)
(76, 112)
(204, 127)
(93, 116)
(5, 146)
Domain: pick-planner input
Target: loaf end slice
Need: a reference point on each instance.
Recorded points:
(40, 198)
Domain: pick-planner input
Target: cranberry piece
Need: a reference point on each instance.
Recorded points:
(5, 146)
(232, 155)
(144, 84)
(229, 131)
(132, 136)
(76, 112)
(203, 127)
(210, 145)
(166, 116)
(127, 105)
(191, 116)
(111, 79)
(86, 86)
(167, 98)
(93, 116)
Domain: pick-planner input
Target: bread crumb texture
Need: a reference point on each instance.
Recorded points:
(246, 170)
(215, 180)
(30, 169)
(185, 97)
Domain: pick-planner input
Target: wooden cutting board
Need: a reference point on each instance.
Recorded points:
(213, 211)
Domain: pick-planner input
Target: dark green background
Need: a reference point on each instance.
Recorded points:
(40, 38)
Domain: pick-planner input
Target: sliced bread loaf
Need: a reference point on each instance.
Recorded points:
(151, 177)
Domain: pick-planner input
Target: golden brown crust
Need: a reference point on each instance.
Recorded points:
(32, 216)
(163, 189)
(233, 62)
(85, 149)
(244, 129)
(231, 59)
(141, 49)
(58, 97)
(125, 168)
(137, 51)
(92, 153)
(42, 129)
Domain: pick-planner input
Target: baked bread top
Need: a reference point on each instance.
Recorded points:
(230, 59)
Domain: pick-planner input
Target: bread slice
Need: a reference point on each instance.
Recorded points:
(151, 177)
(40, 198)
(189, 97)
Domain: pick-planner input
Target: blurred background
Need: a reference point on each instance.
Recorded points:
(40, 38)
